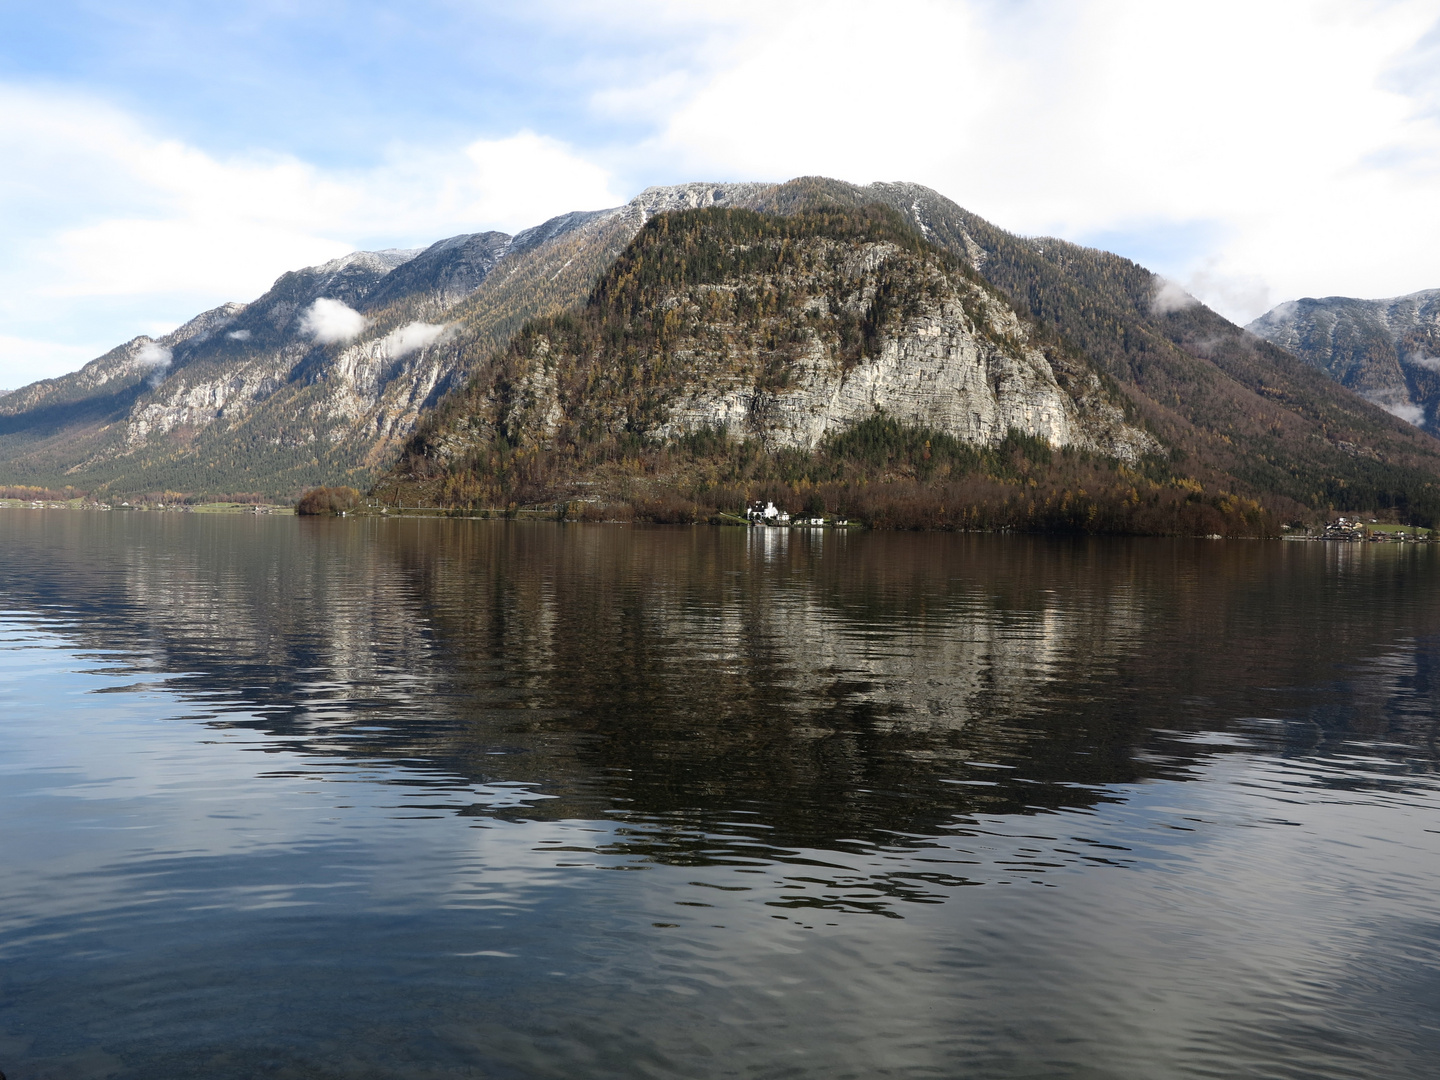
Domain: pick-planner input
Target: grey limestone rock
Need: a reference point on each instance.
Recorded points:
(957, 360)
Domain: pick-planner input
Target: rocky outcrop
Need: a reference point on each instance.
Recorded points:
(1388, 351)
(935, 367)
(775, 356)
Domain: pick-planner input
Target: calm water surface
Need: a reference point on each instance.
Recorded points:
(393, 799)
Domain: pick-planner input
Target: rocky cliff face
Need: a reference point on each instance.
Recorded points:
(772, 356)
(1388, 351)
(778, 333)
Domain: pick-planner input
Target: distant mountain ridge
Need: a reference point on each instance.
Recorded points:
(1388, 351)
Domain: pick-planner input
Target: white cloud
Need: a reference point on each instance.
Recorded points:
(522, 181)
(404, 340)
(1422, 359)
(157, 358)
(1403, 408)
(329, 321)
(1169, 297)
(1411, 414)
(1241, 296)
(101, 208)
(114, 209)
(153, 354)
(238, 335)
(1303, 134)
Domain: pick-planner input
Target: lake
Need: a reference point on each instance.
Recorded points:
(353, 798)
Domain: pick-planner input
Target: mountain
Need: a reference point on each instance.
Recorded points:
(736, 333)
(323, 376)
(1235, 412)
(1388, 351)
(1231, 417)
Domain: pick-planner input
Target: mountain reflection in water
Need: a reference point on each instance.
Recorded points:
(1219, 757)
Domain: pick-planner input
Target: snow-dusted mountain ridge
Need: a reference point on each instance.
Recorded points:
(319, 377)
(1388, 351)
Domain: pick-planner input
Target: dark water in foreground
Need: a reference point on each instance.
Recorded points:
(291, 798)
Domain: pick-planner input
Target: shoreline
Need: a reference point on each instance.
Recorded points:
(1383, 533)
(163, 508)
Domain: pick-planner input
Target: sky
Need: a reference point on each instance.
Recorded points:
(165, 156)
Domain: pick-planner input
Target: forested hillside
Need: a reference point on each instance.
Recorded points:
(1236, 420)
(834, 361)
